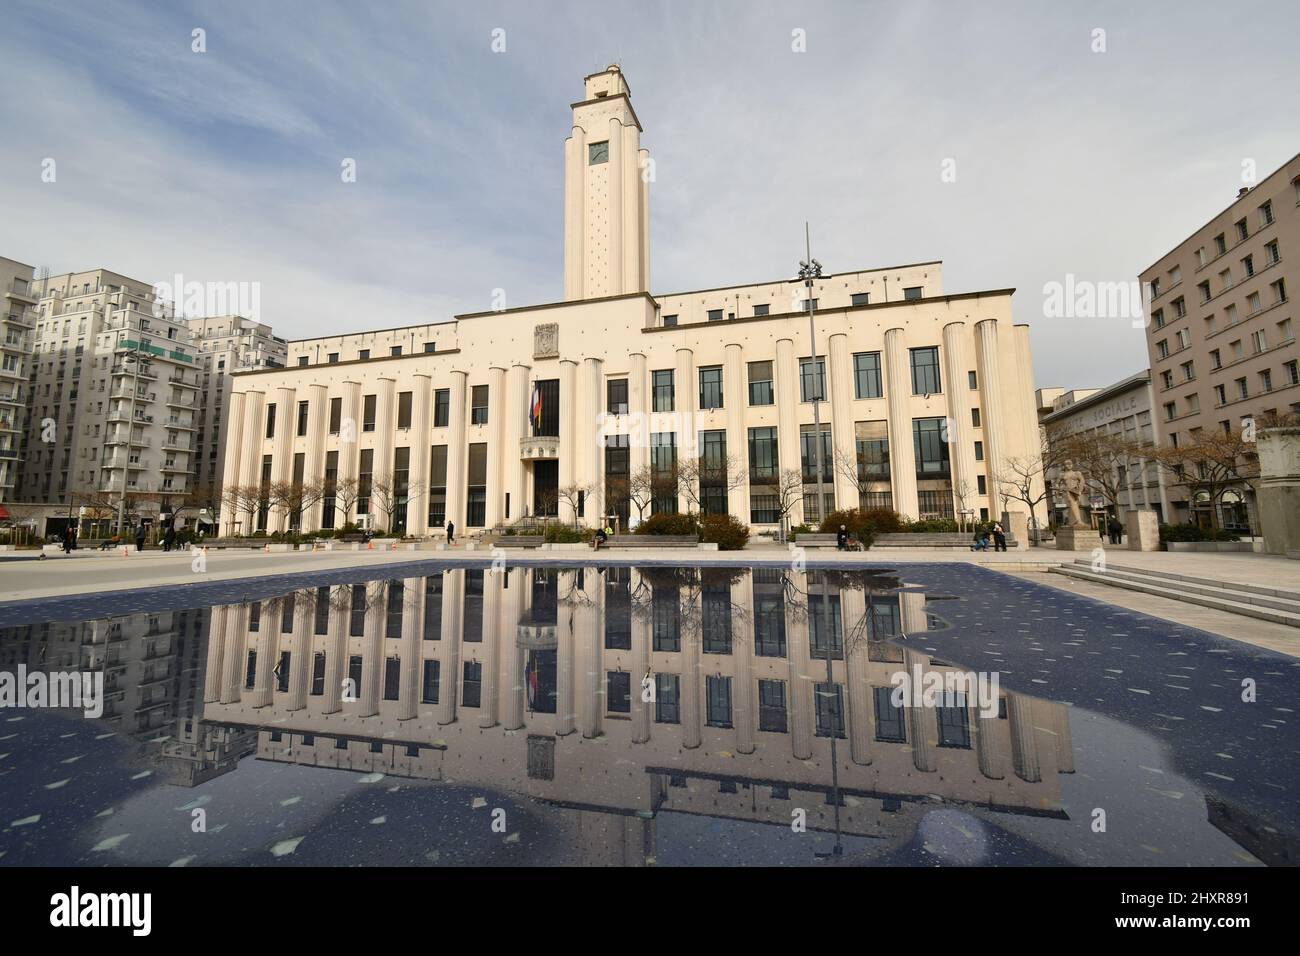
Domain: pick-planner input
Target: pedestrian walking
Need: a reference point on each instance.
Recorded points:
(139, 537)
(169, 538)
(1116, 530)
(69, 540)
(451, 533)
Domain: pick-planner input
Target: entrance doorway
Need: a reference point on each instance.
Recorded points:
(546, 484)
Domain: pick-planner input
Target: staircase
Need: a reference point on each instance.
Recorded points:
(1248, 600)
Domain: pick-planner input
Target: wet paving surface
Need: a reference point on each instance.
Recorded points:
(648, 715)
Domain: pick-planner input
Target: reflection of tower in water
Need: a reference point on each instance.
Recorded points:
(552, 660)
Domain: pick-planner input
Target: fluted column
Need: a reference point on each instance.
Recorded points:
(1028, 443)
(1024, 743)
(642, 710)
(853, 608)
(902, 455)
(565, 666)
(643, 157)
(457, 453)
(692, 692)
(614, 266)
(300, 652)
(372, 648)
(843, 432)
(337, 649)
(961, 440)
(569, 437)
(417, 517)
(988, 747)
(412, 647)
(453, 627)
(517, 401)
(787, 405)
(286, 424)
(212, 669)
(992, 420)
(250, 457)
(494, 684)
(631, 186)
(234, 441)
(638, 408)
(1059, 721)
(590, 461)
(734, 398)
(513, 690)
(496, 438)
(590, 637)
(349, 446)
(744, 686)
(314, 462)
(236, 653)
(922, 721)
(268, 629)
(801, 683)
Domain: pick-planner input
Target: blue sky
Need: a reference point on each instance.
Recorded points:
(224, 166)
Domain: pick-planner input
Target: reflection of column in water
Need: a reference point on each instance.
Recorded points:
(797, 606)
(233, 662)
(742, 649)
(922, 721)
(516, 602)
(853, 609)
(336, 650)
(591, 640)
(1024, 748)
(300, 649)
(412, 642)
(1060, 723)
(491, 650)
(641, 709)
(564, 713)
(453, 625)
(212, 672)
(988, 745)
(267, 626)
(372, 647)
(689, 634)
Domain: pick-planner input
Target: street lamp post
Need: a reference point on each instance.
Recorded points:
(809, 270)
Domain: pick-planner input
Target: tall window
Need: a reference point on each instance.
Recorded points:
(336, 415)
(403, 409)
(368, 413)
(718, 696)
(866, 375)
(771, 706)
(760, 383)
(438, 486)
(763, 462)
(812, 380)
(711, 387)
(479, 405)
(931, 448)
(302, 419)
(714, 476)
(270, 419)
(365, 473)
(616, 396)
(808, 454)
(663, 471)
(441, 407)
(329, 502)
(401, 488)
(662, 386)
(476, 501)
(925, 371)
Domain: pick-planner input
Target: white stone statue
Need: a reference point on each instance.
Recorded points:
(1074, 485)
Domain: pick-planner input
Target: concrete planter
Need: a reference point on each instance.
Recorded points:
(566, 546)
(1211, 546)
(709, 545)
(274, 548)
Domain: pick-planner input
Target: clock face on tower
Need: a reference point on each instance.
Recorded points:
(597, 153)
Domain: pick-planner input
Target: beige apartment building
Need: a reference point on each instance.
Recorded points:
(1123, 410)
(503, 679)
(548, 409)
(17, 320)
(1221, 334)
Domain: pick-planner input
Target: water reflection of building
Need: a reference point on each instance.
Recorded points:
(529, 680)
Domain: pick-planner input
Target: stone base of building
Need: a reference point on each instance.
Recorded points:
(1143, 530)
(1077, 539)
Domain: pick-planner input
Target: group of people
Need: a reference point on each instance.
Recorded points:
(981, 542)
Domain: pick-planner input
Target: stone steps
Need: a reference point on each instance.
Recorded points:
(1280, 607)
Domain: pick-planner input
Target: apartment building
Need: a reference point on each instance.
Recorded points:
(1122, 410)
(923, 396)
(112, 399)
(17, 320)
(1221, 335)
(224, 345)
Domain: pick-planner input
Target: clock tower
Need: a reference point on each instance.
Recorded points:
(606, 194)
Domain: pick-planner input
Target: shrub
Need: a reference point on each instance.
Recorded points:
(665, 523)
(349, 528)
(561, 534)
(933, 526)
(864, 524)
(1191, 532)
(798, 530)
(727, 531)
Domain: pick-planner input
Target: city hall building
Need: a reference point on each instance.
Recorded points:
(555, 409)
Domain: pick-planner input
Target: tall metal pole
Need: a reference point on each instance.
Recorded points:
(809, 270)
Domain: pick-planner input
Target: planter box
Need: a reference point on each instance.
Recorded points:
(1210, 546)
(708, 546)
(566, 546)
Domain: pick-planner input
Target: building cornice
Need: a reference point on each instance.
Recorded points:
(797, 281)
(365, 361)
(627, 101)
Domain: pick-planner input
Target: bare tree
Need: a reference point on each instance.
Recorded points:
(697, 474)
(1211, 463)
(572, 495)
(293, 498)
(345, 492)
(789, 493)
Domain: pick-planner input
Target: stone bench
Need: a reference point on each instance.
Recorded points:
(810, 539)
(651, 541)
(937, 541)
(519, 541)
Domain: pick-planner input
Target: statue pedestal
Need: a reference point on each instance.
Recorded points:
(1278, 492)
(1077, 539)
(1143, 531)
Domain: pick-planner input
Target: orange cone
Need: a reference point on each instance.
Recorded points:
(370, 546)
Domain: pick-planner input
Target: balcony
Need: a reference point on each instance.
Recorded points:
(143, 373)
(176, 444)
(182, 382)
(135, 442)
(22, 291)
(175, 402)
(24, 320)
(539, 448)
(175, 422)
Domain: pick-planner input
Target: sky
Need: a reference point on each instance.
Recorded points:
(1011, 140)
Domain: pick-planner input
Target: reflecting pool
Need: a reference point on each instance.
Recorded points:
(627, 715)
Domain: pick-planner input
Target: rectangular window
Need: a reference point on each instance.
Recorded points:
(403, 409)
(890, 726)
(953, 721)
(979, 451)
(760, 383)
(336, 415)
(476, 509)
(667, 699)
(931, 448)
(711, 387)
(368, 404)
(618, 692)
(472, 688)
(438, 486)
(763, 463)
(478, 414)
(670, 321)
(718, 697)
(429, 684)
(302, 419)
(925, 371)
(808, 454)
(270, 419)
(715, 315)
(860, 298)
(616, 396)
(763, 309)
(441, 407)
(662, 390)
(866, 375)
(771, 706)
(364, 474)
(830, 710)
(812, 380)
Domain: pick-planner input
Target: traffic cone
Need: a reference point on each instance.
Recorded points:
(370, 546)
(393, 546)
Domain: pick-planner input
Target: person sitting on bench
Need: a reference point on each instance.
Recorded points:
(981, 542)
